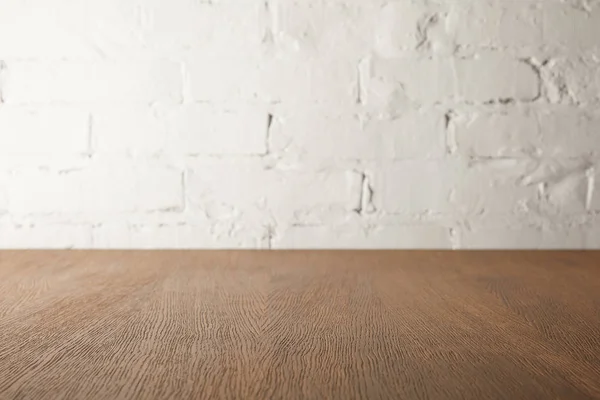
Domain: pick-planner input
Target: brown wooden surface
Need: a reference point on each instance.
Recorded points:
(291, 325)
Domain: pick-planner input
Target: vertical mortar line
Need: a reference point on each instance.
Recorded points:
(3, 69)
(591, 185)
(449, 133)
(368, 193)
(268, 34)
(270, 118)
(363, 73)
(272, 24)
(359, 206)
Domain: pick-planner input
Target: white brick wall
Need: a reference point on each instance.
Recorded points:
(300, 124)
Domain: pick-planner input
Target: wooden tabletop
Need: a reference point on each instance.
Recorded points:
(299, 325)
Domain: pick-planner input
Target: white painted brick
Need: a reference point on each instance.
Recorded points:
(223, 78)
(129, 129)
(570, 132)
(391, 121)
(224, 27)
(202, 129)
(183, 130)
(227, 188)
(308, 54)
(517, 132)
(494, 191)
(571, 27)
(562, 185)
(233, 188)
(389, 85)
(43, 130)
(178, 236)
(394, 83)
(417, 187)
(568, 194)
(409, 237)
(492, 78)
(323, 26)
(573, 80)
(414, 135)
(20, 27)
(401, 27)
(356, 237)
(497, 133)
(325, 134)
(522, 238)
(44, 236)
(292, 80)
(592, 240)
(63, 29)
(495, 24)
(103, 186)
(92, 82)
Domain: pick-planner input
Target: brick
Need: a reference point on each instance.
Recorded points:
(202, 129)
(416, 25)
(44, 236)
(92, 82)
(401, 27)
(571, 27)
(325, 134)
(309, 195)
(572, 80)
(223, 78)
(62, 29)
(518, 132)
(385, 116)
(592, 236)
(248, 188)
(292, 80)
(570, 132)
(182, 26)
(392, 84)
(567, 194)
(129, 129)
(494, 191)
(495, 24)
(355, 237)
(177, 236)
(103, 186)
(308, 54)
(522, 238)
(496, 78)
(316, 26)
(417, 187)
(197, 129)
(505, 133)
(55, 130)
(395, 83)
(414, 135)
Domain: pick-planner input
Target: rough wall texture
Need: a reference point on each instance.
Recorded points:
(300, 123)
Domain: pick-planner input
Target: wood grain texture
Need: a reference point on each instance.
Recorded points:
(299, 325)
